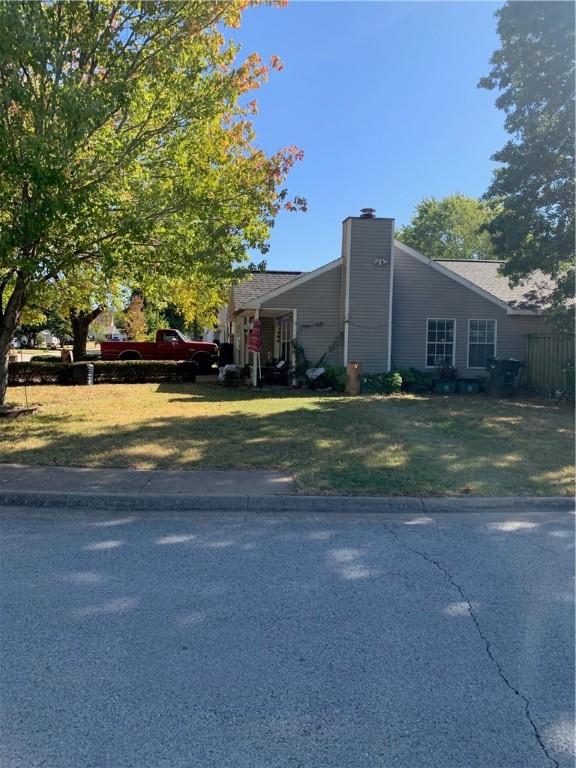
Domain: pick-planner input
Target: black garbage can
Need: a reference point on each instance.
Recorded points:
(83, 373)
(503, 376)
(225, 355)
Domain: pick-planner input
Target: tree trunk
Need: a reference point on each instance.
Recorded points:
(80, 324)
(9, 320)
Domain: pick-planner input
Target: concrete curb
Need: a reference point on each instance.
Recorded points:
(261, 503)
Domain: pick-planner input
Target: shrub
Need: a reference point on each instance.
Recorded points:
(301, 362)
(105, 372)
(335, 377)
(414, 380)
(46, 359)
(139, 371)
(446, 371)
(38, 373)
(381, 383)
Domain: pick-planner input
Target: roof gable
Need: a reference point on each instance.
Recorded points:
(299, 279)
(531, 294)
(483, 278)
(258, 284)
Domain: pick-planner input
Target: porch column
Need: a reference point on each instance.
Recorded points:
(255, 357)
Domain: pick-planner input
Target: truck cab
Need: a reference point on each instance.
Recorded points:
(169, 344)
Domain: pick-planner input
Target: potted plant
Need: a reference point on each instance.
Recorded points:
(468, 386)
(446, 378)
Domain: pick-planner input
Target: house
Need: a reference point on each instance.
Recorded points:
(386, 306)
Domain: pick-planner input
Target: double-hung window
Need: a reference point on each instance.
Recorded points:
(481, 342)
(440, 342)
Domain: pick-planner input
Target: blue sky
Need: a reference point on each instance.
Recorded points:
(382, 98)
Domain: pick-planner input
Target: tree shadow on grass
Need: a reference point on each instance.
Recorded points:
(425, 445)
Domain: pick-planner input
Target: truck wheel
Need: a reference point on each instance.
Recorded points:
(203, 362)
(130, 356)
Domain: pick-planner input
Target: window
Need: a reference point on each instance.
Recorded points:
(440, 343)
(481, 342)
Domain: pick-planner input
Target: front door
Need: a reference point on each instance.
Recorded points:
(284, 337)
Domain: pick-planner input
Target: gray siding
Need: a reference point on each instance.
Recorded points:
(420, 292)
(369, 261)
(319, 319)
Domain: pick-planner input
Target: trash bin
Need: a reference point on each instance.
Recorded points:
(503, 376)
(83, 373)
(225, 355)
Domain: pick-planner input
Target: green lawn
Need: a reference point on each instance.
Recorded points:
(367, 445)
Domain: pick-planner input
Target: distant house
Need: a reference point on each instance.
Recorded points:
(387, 306)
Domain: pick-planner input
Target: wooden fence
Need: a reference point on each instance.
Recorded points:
(550, 364)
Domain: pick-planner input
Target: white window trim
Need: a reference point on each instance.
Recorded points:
(278, 344)
(484, 319)
(450, 319)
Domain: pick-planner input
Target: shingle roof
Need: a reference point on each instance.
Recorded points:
(531, 294)
(258, 284)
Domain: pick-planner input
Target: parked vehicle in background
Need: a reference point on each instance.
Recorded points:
(47, 339)
(169, 344)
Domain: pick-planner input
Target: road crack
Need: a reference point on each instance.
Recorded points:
(487, 644)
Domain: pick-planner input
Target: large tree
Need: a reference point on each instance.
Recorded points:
(450, 228)
(75, 303)
(127, 146)
(534, 72)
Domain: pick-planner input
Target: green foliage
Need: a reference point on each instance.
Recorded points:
(128, 152)
(135, 321)
(38, 373)
(301, 362)
(381, 383)
(446, 371)
(173, 318)
(335, 377)
(105, 371)
(45, 359)
(261, 266)
(134, 371)
(533, 70)
(450, 228)
(414, 380)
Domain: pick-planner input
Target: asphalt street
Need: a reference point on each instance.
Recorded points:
(168, 640)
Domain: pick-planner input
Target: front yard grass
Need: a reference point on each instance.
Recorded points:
(399, 444)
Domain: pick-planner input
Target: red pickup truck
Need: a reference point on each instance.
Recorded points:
(169, 345)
